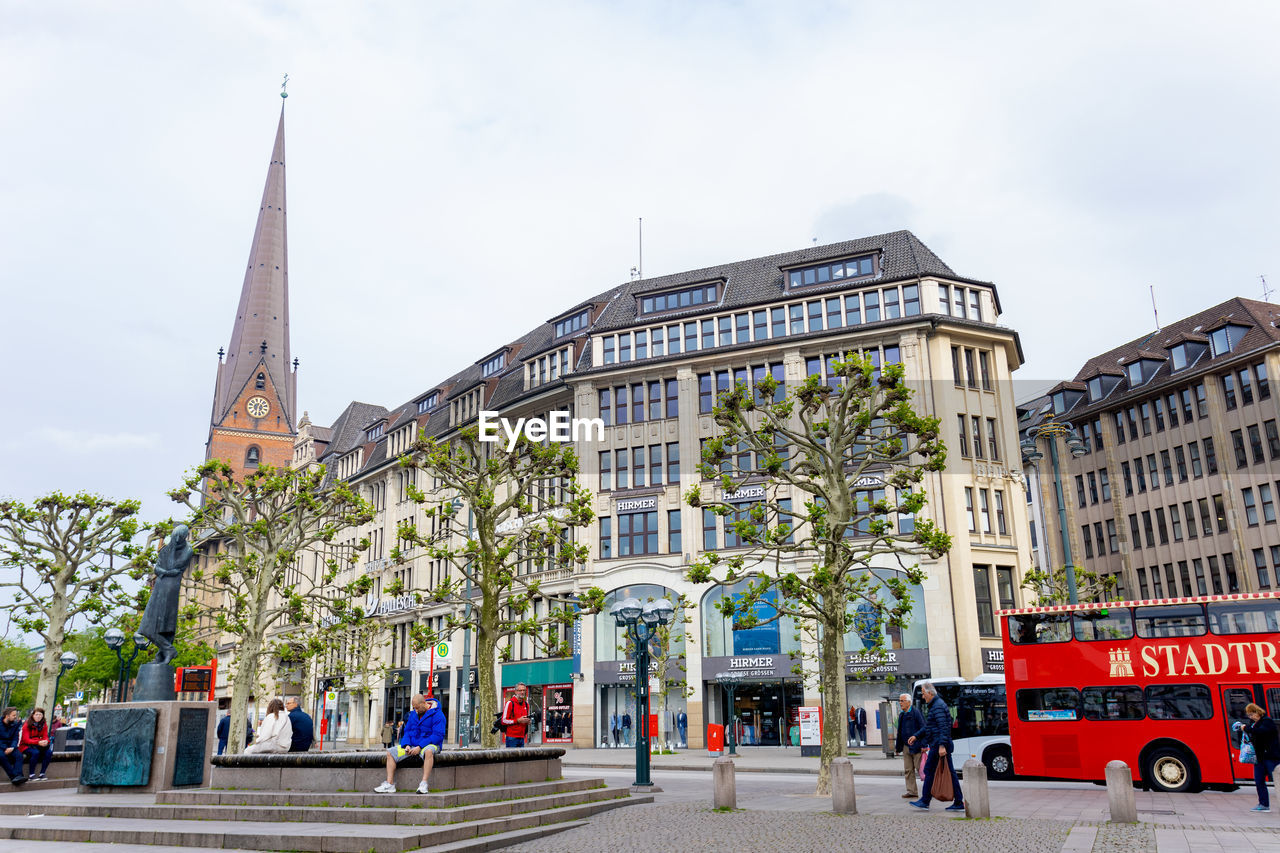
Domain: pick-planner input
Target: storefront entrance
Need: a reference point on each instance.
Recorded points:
(765, 711)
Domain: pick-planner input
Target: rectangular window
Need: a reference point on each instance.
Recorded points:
(1113, 538)
(1210, 458)
(1135, 531)
(797, 319)
(984, 367)
(984, 505)
(1268, 506)
(742, 325)
(778, 320)
(1229, 391)
(1180, 459)
(1048, 704)
(1126, 475)
(1088, 541)
(705, 395)
(1273, 438)
(944, 298)
(964, 441)
(1161, 528)
(1145, 410)
(815, 316)
(975, 305)
(623, 477)
(871, 306)
(1106, 484)
(1166, 463)
(1140, 475)
(1156, 584)
(1189, 513)
(624, 347)
(655, 464)
(1202, 401)
(655, 401)
(1186, 578)
(1153, 471)
(638, 533)
(637, 403)
(834, 318)
(892, 307)
(622, 404)
(1170, 620)
(1119, 418)
(910, 300)
(1185, 396)
(673, 531)
(1114, 703)
(1220, 513)
(642, 345)
(957, 301)
(637, 467)
(1246, 386)
(1131, 418)
(657, 339)
(726, 331)
(691, 336)
(1206, 521)
(969, 372)
(1255, 444)
(1175, 519)
(1093, 487)
(673, 398)
(968, 508)
(993, 444)
(1157, 406)
(1179, 702)
(1097, 535)
(1148, 529)
(708, 530)
(606, 406)
(608, 349)
(708, 334)
(673, 462)
(606, 470)
(1001, 526)
(956, 372)
(1264, 388)
(760, 324)
(1080, 497)
(1260, 566)
(982, 594)
(606, 537)
(1237, 445)
(1197, 470)
(852, 310)
(977, 436)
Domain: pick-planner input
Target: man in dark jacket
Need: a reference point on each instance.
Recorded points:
(224, 733)
(10, 756)
(304, 730)
(937, 735)
(910, 724)
(423, 736)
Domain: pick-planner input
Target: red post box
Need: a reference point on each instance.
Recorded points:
(715, 739)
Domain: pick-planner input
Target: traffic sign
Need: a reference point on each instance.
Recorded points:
(331, 696)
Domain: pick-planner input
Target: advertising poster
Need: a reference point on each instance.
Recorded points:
(557, 716)
(762, 639)
(810, 730)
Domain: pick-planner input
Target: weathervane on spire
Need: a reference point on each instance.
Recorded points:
(283, 93)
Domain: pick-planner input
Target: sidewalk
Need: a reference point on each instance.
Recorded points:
(750, 759)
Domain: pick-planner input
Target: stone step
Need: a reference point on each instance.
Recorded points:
(417, 815)
(502, 840)
(43, 784)
(302, 836)
(368, 799)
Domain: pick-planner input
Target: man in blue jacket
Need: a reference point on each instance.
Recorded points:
(937, 734)
(423, 736)
(10, 757)
(304, 730)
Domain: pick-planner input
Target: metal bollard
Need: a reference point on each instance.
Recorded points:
(843, 800)
(724, 784)
(1120, 793)
(977, 797)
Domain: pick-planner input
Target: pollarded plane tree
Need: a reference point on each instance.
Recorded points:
(256, 589)
(827, 544)
(62, 558)
(521, 503)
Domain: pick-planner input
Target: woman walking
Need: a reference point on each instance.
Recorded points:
(276, 732)
(1266, 743)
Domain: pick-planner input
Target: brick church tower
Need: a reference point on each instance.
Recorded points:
(255, 401)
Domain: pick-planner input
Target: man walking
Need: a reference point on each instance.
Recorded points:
(304, 730)
(515, 717)
(937, 735)
(423, 736)
(860, 720)
(910, 724)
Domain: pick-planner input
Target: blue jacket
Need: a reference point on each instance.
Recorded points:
(304, 731)
(937, 725)
(9, 734)
(422, 730)
(910, 722)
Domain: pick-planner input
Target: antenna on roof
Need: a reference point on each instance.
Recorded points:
(1152, 287)
(638, 270)
(1266, 289)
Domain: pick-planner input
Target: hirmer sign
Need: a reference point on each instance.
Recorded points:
(559, 427)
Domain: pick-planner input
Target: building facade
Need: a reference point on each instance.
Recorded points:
(1175, 492)
(647, 358)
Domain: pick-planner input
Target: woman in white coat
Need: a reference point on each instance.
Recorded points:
(276, 732)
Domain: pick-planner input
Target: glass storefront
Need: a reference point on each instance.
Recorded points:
(765, 711)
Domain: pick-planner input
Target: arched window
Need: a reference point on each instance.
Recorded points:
(609, 639)
(866, 624)
(261, 381)
(251, 457)
(719, 638)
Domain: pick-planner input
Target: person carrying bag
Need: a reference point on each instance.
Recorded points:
(942, 790)
(938, 766)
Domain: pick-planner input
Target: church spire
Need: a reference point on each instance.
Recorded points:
(259, 347)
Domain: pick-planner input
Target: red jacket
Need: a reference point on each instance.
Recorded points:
(31, 737)
(512, 711)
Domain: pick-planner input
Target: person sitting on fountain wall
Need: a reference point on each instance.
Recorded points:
(10, 754)
(276, 732)
(304, 730)
(424, 731)
(35, 744)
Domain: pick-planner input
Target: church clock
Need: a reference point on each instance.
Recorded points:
(258, 407)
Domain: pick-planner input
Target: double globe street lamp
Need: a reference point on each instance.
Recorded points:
(9, 677)
(640, 624)
(1053, 430)
(68, 660)
(114, 638)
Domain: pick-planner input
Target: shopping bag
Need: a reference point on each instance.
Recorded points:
(924, 759)
(942, 790)
(1247, 753)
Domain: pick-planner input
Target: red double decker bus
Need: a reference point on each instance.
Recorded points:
(1156, 684)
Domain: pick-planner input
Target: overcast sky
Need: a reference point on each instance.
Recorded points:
(460, 171)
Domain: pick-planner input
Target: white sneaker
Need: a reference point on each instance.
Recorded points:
(422, 788)
(385, 788)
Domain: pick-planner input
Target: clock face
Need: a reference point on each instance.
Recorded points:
(258, 407)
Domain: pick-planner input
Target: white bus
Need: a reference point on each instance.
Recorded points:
(979, 720)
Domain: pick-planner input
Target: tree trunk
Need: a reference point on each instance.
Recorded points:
(831, 646)
(246, 669)
(486, 630)
(51, 660)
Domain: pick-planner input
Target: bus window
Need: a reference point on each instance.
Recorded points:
(1040, 628)
(1273, 702)
(1179, 702)
(1106, 624)
(1260, 616)
(1173, 620)
(1234, 700)
(1048, 703)
(1113, 703)
(982, 711)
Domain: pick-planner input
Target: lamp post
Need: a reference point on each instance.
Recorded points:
(114, 638)
(68, 660)
(1053, 430)
(730, 681)
(9, 677)
(464, 710)
(640, 623)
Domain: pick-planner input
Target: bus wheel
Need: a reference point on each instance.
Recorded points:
(1170, 769)
(999, 761)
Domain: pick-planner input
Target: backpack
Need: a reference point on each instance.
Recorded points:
(497, 719)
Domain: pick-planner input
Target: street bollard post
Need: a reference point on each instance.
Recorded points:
(977, 796)
(724, 784)
(1120, 793)
(843, 800)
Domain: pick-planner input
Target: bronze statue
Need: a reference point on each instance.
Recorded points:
(160, 619)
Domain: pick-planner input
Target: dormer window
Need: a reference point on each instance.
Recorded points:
(374, 433)
(494, 364)
(1141, 371)
(569, 325)
(1101, 385)
(861, 267)
(260, 382)
(1065, 399)
(686, 297)
(429, 402)
(1224, 339)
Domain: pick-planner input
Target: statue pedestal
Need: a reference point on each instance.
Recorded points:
(138, 747)
(155, 683)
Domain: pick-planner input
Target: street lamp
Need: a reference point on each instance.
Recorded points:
(114, 638)
(640, 623)
(68, 660)
(9, 677)
(1053, 430)
(730, 681)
